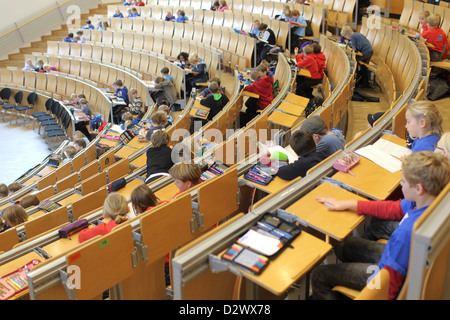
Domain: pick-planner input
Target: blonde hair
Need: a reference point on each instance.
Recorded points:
(127, 116)
(444, 141)
(164, 108)
(425, 14)
(427, 111)
(69, 151)
(186, 172)
(14, 215)
(434, 20)
(159, 138)
(78, 135)
(427, 168)
(116, 207)
(346, 31)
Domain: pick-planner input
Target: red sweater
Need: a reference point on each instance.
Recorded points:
(310, 63)
(100, 230)
(391, 210)
(321, 59)
(438, 39)
(264, 88)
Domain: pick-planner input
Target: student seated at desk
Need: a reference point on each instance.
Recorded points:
(305, 84)
(13, 216)
(327, 142)
(4, 192)
(29, 201)
(262, 87)
(205, 91)
(79, 144)
(437, 38)
(14, 187)
(164, 108)
(164, 92)
(199, 74)
(424, 125)
(186, 175)
(303, 144)
(115, 210)
(136, 105)
(267, 41)
(121, 91)
(360, 44)
(143, 199)
(424, 175)
(158, 122)
(68, 153)
(159, 156)
(215, 101)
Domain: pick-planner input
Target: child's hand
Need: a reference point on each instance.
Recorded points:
(296, 51)
(338, 205)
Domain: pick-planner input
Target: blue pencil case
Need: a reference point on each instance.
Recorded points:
(255, 174)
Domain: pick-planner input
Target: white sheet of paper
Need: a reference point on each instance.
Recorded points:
(259, 242)
(381, 158)
(392, 148)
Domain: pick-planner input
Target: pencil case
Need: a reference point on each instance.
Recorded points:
(257, 175)
(16, 281)
(72, 228)
(262, 243)
(347, 162)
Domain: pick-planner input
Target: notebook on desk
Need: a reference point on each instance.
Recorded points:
(201, 113)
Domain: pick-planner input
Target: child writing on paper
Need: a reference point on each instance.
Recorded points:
(115, 210)
(424, 175)
(423, 123)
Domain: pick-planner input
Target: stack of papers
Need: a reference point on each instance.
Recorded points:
(386, 154)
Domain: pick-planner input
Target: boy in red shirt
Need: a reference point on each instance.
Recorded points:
(320, 58)
(437, 38)
(309, 62)
(263, 86)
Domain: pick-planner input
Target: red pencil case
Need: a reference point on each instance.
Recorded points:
(16, 281)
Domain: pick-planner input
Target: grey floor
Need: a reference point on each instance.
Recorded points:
(21, 149)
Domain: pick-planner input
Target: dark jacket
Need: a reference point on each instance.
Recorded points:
(300, 167)
(214, 103)
(159, 159)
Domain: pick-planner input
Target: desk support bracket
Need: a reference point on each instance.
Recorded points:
(198, 217)
(291, 217)
(143, 251)
(71, 293)
(216, 265)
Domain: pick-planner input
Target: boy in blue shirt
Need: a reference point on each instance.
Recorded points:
(360, 44)
(165, 73)
(424, 175)
(299, 31)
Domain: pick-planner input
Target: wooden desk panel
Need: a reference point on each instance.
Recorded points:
(282, 119)
(293, 98)
(335, 224)
(291, 108)
(167, 192)
(370, 179)
(70, 199)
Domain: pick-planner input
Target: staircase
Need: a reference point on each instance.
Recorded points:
(18, 59)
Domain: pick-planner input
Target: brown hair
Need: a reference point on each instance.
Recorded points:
(159, 117)
(186, 172)
(81, 143)
(427, 168)
(15, 186)
(4, 191)
(14, 215)
(29, 201)
(142, 197)
(159, 138)
(116, 207)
